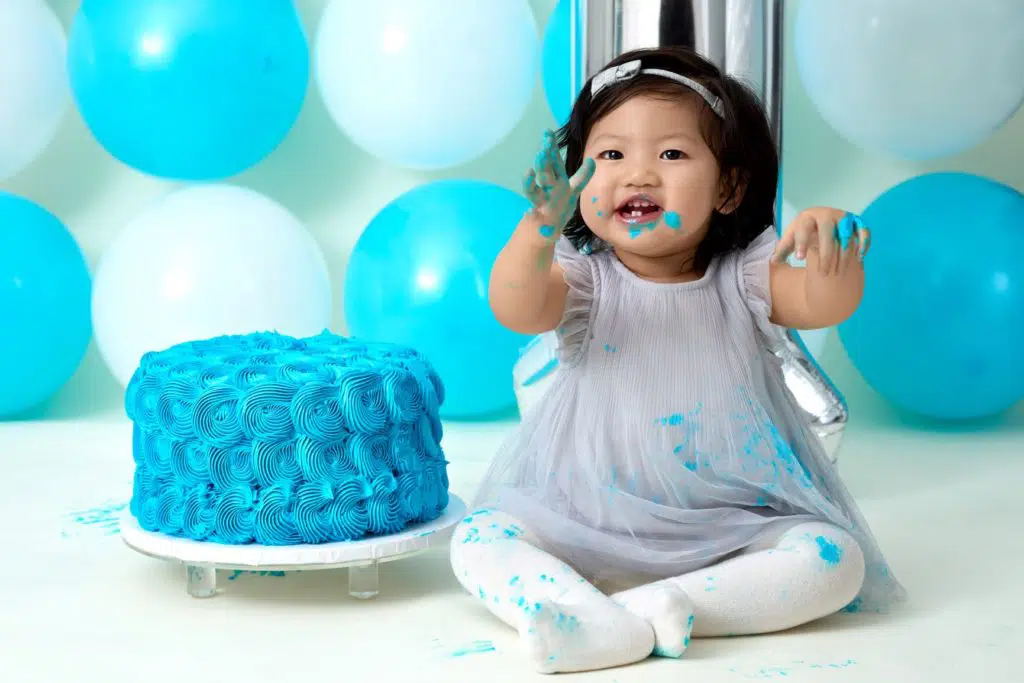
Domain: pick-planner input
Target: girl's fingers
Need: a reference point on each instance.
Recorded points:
(845, 230)
(863, 242)
(827, 248)
(846, 233)
(582, 176)
(542, 165)
(530, 189)
(803, 228)
(847, 257)
(785, 247)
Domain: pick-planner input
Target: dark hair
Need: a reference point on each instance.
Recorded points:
(741, 142)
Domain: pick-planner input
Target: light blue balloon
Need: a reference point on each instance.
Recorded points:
(939, 329)
(44, 305)
(557, 62)
(188, 89)
(427, 84)
(913, 79)
(418, 276)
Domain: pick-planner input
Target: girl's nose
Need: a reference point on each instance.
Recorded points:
(641, 175)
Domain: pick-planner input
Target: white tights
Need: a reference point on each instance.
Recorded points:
(807, 572)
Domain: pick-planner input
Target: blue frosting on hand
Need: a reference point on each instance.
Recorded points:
(845, 229)
(268, 439)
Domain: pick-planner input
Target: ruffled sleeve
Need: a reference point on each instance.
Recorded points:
(574, 329)
(753, 274)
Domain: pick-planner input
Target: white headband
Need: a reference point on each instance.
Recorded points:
(624, 72)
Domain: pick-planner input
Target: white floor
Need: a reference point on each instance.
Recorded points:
(76, 605)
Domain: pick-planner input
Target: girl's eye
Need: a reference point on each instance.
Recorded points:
(610, 155)
(672, 155)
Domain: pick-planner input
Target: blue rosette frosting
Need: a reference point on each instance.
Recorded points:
(270, 439)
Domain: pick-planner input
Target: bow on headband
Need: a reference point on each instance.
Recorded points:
(629, 70)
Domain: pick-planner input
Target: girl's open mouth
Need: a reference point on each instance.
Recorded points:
(638, 209)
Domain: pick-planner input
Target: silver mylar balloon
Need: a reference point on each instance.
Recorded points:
(824, 408)
(744, 38)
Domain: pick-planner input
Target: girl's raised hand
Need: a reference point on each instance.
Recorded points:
(552, 193)
(832, 237)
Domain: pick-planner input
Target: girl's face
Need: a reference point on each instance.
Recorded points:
(656, 182)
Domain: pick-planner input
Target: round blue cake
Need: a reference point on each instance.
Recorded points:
(269, 439)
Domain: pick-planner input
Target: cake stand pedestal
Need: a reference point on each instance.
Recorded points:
(203, 559)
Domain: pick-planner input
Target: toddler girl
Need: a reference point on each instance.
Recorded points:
(665, 486)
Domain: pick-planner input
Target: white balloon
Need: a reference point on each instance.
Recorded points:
(916, 79)
(34, 92)
(205, 261)
(427, 85)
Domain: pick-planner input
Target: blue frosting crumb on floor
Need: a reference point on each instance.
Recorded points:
(475, 648)
(772, 672)
(103, 520)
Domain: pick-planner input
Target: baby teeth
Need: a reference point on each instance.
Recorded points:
(638, 205)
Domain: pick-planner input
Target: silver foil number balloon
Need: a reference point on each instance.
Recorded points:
(824, 408)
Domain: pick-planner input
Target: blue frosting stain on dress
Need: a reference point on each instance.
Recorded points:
(269, 439)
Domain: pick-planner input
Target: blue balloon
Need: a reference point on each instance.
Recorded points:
(44, 305)
(418, 276)
(557, 61)
(938, 330)
(188, 89)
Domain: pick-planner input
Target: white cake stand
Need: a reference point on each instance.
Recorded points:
(203, 559)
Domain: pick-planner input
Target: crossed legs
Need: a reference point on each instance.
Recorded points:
(807, 572)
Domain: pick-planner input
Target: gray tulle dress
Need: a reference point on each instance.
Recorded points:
(667, 440)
